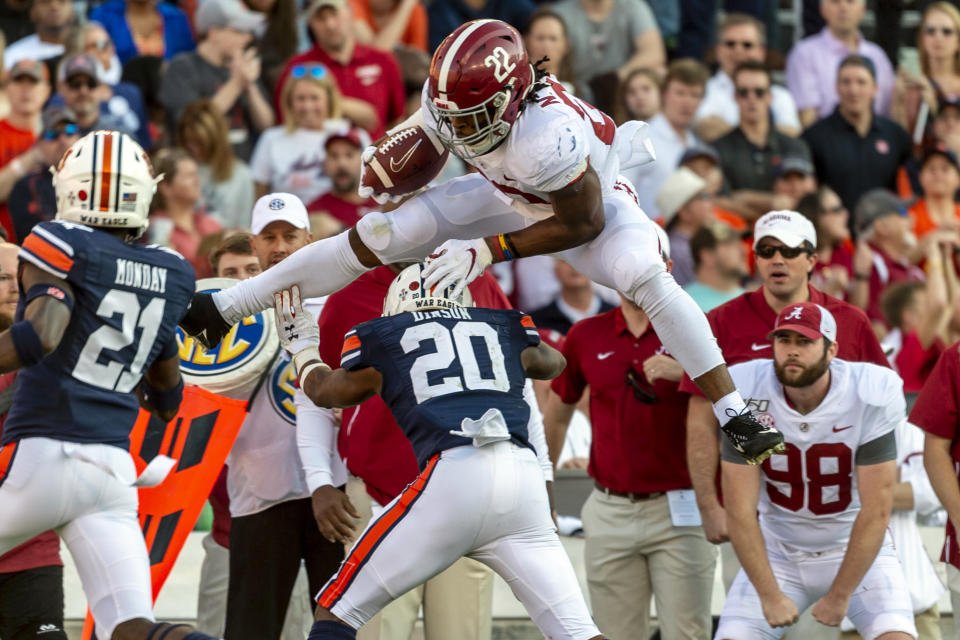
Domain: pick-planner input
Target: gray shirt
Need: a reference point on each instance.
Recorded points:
(188, 78)
(601, 47)
(747, 166)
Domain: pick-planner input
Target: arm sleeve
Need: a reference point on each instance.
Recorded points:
(536, 433)
(570, 384)
(880, 449)
(937, 409)
(316, 442)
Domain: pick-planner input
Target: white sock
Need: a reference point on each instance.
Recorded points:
(729, 406)
(319, 268)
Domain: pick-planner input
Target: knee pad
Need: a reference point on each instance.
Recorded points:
(407, 233)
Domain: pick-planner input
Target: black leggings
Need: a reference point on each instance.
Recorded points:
(31, 604)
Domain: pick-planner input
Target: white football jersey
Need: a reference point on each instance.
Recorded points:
(550, 146)
(809, 499)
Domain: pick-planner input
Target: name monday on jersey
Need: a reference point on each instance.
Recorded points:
(144, 276)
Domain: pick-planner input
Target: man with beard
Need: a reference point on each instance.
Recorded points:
(821, 535)
(342, 166)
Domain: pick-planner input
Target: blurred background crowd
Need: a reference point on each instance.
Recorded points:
(845, 111)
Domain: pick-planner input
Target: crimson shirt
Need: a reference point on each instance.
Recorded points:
(13, 142)
(887, 271)
(371, 75)
(346, 212)
(41, 551)
(914, 363)
(370, 440)
(742, 324)
(937, 411)
(636, 447)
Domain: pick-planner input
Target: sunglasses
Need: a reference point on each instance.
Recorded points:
(758, 92)
(99, 45)
(944, 31)
(76, 84)
(68, 130)
(733, 44)
(642, 390)
(315, 71)
(767, 251)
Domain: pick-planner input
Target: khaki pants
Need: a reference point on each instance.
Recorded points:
(212, 596)
(457, 603)
(633, 552)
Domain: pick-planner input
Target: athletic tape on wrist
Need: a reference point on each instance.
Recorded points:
(310, 367)
(26, 342)
(305, 356)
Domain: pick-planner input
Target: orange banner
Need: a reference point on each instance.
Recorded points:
(199, 438)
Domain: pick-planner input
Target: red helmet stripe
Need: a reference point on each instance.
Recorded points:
(105, 165)
(451, 56)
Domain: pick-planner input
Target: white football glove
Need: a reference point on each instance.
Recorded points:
(367, 192)
(456, 262)
(297, 328)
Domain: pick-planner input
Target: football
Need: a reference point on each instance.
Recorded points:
(405, 161)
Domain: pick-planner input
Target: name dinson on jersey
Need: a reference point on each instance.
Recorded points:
(144, 276)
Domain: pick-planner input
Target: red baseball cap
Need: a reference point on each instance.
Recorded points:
(808, 319)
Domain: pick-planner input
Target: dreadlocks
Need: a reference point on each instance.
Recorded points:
(539, 81)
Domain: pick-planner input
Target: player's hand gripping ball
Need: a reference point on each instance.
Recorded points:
(401, 163)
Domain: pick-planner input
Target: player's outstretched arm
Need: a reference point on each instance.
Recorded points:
(542, 362)
(875, 484)
(49, 305)
(741, 492)
(161, 389)
(340, 388)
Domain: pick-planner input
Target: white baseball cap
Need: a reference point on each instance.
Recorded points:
(279, 206)
(789, 227)
(678, 189)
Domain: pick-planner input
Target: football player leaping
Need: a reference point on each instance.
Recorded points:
(94, 330)
(824, 505)
(549, 183)
(453, 376)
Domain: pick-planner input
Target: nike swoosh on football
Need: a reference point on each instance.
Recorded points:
(835, 430)
(398, 166)
(757, 347)
(604, 356)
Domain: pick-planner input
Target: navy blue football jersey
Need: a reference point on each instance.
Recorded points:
(440, 367)
(128, 300)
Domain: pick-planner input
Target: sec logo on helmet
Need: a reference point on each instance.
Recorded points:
(235, 366)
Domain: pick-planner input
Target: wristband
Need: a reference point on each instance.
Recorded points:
(861, 276)
(162, 400)
(26, 342)
(506, 247)
(304, 357)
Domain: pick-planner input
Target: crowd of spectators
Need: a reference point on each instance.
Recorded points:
(235, 99)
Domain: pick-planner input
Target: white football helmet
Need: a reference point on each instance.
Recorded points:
(105, 180)
(407, 293)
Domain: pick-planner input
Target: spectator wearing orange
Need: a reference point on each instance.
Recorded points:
(384, 24)
(27, 90)
(225, 180)
(833, 271)
(177, 218)
(940, 178)
(369, 80)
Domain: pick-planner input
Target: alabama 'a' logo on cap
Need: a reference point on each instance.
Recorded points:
(796, 314)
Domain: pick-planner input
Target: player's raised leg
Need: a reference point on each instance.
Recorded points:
(466, 207)
(627, 256)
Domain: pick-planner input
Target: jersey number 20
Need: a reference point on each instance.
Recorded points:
(100, 370)
(454, 343)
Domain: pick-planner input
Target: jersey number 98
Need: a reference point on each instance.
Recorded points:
(816, 480)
